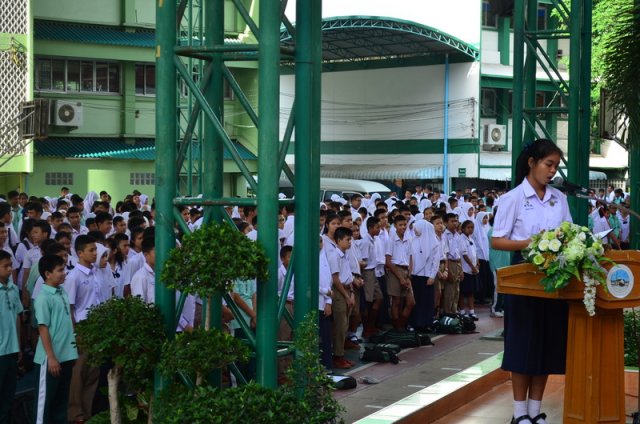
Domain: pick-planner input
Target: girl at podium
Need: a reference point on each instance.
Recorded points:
(535, 329)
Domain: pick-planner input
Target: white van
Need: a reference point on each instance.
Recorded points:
(341, 186)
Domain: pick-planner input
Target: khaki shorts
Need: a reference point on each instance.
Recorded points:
(394, 288)
(371, 286)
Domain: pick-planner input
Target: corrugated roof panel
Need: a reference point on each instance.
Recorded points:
(93, 34)
(113, 148)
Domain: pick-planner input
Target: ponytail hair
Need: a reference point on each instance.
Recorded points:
(538, 150)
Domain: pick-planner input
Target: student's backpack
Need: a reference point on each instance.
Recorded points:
(381, 353)
(403, 339)
(448, 325)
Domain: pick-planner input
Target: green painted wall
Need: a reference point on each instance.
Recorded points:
(107, 12)
(103, 174)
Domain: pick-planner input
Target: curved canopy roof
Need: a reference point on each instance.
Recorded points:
(357, 38)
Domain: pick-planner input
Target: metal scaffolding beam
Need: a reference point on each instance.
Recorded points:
(575, 25)
(191, 137)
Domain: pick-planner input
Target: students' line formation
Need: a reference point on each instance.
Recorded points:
(60, 257)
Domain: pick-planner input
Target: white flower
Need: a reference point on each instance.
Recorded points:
(554, 245)
(543, 245)
(582, 236)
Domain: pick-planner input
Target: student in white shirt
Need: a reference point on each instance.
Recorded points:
(398, 263)
(424, 269)
(470, 269)
(342, 297)
(325, 281)
(535, 333)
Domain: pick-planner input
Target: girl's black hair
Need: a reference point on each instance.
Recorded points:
(537, 150)
(330, 217)
(466, 223)
(112, 243)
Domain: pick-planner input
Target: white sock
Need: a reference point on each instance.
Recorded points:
(534, 409)
(463, 311)
(519, 408)
(472, 311)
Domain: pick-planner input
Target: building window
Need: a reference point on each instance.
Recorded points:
(489, 101)
(58, 178)
(142, 178)
(543, 15)
(489, 18)
(73, 76)
(145, 80)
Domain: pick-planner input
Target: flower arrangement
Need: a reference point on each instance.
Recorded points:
(569, 251)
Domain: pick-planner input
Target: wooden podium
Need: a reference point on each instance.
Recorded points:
(594, 382)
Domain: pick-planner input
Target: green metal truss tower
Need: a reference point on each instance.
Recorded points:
(570, 19)
(191, 139)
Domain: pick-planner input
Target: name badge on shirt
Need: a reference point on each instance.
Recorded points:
(528, 206)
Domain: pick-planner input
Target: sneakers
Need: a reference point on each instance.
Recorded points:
(473, 316)
(496, 314)
(340, 363)
(525, 419)
(354, 338)
(348, 344)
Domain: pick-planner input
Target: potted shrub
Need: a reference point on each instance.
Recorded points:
(127, 333)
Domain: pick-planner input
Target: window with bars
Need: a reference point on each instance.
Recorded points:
(489, 18)
(77, 76)
(142, 178)
(146, 82)
(58, 178)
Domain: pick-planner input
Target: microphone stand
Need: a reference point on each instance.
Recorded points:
(585, 196)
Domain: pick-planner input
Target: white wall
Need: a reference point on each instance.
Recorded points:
(393, 104)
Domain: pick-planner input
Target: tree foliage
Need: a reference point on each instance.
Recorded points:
(211, 259)
(129, 333)
(201, 352)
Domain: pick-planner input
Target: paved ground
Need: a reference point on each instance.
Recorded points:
(419, 367)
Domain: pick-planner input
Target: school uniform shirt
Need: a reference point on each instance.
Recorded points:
(368, 251)
(282, 273)
(10, 307)
(328, 244)
(83, 289)
(625, 229)
(469, 249)
(522, 213)
(380, 243)
(600, 223)
(325, 281)
(339, 264)
(12, 237)
(16, 219)
(187, 317)
(143, 284)
(289, 225)
(82, 230)
(53, 311)
(398, 249)
(121, 277)
(135, 263)
(444, 247)
(452, 245)
(354, 256)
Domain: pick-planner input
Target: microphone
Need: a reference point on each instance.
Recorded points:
(567, 186)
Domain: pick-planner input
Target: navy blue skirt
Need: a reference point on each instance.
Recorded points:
(535, 334)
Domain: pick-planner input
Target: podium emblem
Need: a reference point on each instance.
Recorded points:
(620, 281)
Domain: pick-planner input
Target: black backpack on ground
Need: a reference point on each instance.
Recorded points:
(381, 353)
(403, 339)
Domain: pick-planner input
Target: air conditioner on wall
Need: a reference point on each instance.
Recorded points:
(67, 113)
(494, 137)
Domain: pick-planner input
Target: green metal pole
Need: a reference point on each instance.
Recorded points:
(518, 85)
(166, 136)
(268, 134)
(530, 70)
(307, 152)
(212, 147)
(583, 144)
(574, 137)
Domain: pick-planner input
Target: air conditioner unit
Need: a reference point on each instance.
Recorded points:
(67, 113)
(495, 137)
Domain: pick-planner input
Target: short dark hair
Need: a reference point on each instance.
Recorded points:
(72, 209)
(372, 222)
(54, 248)
(284, 250)
(13, 193)
(82, 241)
(102, 217)
(48, 263)
(89, 221)
(34, 206)
(43, 225)
(56, 215)
(399, 218)
(62, 234)
(4, 255)
(117, 219)
(97, 235)
(448, 217)
(5, 208)
(342, 232)
(148, 245)
(135, 222)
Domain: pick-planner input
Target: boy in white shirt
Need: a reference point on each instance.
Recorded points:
(342, 299)
(144, 280)
(325, 309)
(398, 263)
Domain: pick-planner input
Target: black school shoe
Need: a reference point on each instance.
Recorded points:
(539, 417)
(515, 420)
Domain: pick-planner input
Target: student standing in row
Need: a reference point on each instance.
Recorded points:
(9, 336)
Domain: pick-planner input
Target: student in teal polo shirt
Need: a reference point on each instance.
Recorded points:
(56, 352)
(10, 307)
